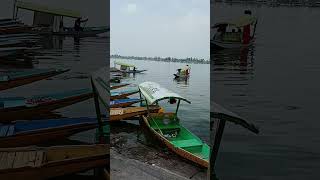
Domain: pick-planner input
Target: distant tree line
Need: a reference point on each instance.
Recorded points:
(165, 59)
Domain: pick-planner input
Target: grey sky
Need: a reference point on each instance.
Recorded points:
(176, 28)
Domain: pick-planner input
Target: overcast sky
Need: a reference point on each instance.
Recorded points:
(175, 28)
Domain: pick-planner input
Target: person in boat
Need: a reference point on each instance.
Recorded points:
(187, 69)
(246, 37)
(179, 71)
(134, 68)
(61, 26)
(77, 24)
(220, 31)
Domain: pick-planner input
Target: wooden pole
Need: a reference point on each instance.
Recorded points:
(98, 112)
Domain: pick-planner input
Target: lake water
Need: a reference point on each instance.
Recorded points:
(194, 116)
(82, 57)
(274, 85)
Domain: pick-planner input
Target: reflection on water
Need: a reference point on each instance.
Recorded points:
(82, 56)
(272, 84)
(194, 116)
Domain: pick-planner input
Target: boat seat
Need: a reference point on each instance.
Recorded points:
(163, 126)
(187, 143)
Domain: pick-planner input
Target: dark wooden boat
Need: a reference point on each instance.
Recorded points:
(20, 108)
(25, 133)
(87, 32)
(15, 79)
(122, 94)
(39, 163)
(124, 102)
(118, 85)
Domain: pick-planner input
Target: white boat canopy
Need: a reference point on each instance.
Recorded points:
(124, 64)
(240, 22)
(45, 9)
(153, 93)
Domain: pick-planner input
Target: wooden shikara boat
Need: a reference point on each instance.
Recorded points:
(47, 162)
(25, 133)
(166, 127)
(123, 102)
(230, 40)
(20, 108)
(87, 32)
(117, 114)
(122, 94)
(127, 68)
(118, 85)
(15, 79)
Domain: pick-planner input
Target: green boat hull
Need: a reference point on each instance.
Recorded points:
(178, 139)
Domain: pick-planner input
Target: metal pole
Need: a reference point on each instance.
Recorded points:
(220, 124)
(178, 107)
(14, 9)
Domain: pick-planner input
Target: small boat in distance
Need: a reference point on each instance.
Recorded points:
(46, 26)
(236, 33)
(14, 79)
(182, 72)
(127, 68)
(49, 162)
(166, 127)
(25, 133)
(21, 108)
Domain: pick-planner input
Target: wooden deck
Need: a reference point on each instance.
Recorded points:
(32, 158)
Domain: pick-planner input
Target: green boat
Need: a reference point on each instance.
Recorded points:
(167, 129)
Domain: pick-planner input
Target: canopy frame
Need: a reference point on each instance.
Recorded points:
(44, 9)
(157, 88)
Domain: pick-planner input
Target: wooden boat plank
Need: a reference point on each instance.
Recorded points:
(3, 130)
(19, 160)
(3, 159)
(10, 130)
(39, 158)
(31, 158)
(10, 159)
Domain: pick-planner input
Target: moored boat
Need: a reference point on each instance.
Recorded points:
(123, 93)
(166, 127)
(49, 162)
(226, 36)
(127, 68)
(15, 79)
(124, 102)
(118, 85)
(117, 114)
(20, 108)
(25, 133)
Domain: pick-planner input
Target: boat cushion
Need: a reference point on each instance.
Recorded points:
(186, 143)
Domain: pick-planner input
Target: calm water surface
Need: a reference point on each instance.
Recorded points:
(194, 116)
(82, 57)
(274, 85)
